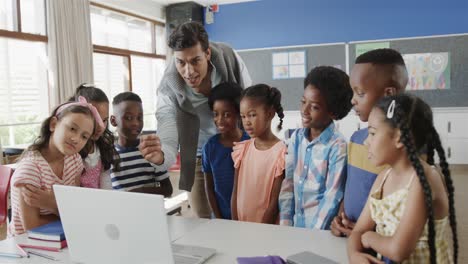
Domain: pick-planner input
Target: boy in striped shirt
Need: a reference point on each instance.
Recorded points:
(134, 173)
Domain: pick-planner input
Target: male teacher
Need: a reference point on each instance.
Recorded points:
(184, 119)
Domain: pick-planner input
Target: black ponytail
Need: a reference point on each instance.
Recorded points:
(274, 99)
(270, 96)
(414, 158)
(450, 190)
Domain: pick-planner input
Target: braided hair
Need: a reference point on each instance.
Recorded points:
(413, 117)
(269, 96)
(450, 189)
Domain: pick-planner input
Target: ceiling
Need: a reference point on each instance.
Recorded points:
(201, 2)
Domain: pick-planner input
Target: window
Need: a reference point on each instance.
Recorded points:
(160, 38)
(146, 75)
(111, 73)
(23, 71)
(33, 17)
(128, 55)
(7, 15)
(120, 31)
(26, 16)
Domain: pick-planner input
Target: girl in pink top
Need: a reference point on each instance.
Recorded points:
(52, 159)
(99, 154)
(260, 161)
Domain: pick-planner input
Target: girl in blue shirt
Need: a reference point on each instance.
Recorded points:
(218, 166)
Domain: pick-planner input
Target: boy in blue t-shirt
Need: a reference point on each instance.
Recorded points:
(134, 173)
(376, 73)
(216, 153)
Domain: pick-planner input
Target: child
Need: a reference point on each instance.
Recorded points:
(376, 74)
(134, 173)
(100, 153)
(316, 162)
(216, 153)
(52, 159)
(409, 215)
(259, 162)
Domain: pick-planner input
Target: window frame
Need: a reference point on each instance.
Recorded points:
(19, 35)
(128, 52)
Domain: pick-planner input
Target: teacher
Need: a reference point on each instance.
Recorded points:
(184, 120)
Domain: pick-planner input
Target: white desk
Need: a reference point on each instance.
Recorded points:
(178, 227)
(240, 239)
(234, 239)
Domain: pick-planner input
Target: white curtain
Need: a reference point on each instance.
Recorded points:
(70, 47)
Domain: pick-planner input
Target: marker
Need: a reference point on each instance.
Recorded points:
(41, 255)
(25, 254)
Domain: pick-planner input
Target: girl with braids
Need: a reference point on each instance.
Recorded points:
(259, 161)
(99, 153)
(410, 216)
(316, 162)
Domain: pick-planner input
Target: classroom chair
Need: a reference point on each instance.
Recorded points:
(11, 155)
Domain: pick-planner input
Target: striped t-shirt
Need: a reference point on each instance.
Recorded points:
(135, 171)
(33, 169)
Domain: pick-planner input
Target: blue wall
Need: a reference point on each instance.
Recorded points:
(271, 23)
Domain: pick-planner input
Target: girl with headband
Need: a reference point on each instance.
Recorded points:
(53, 158)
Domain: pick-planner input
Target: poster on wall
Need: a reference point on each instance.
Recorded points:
(365, 47)
(289, 65)
(428, 71)
(281, 72)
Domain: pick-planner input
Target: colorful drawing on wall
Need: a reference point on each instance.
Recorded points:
(281, 72)
(297, 57)
(428, 71)
(297, 71)
(288, 65)
(365, 47)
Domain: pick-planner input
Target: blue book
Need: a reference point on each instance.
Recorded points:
(52, 231)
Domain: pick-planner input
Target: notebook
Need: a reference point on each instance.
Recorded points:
(52, 231)
(56, 246)
(107, 226)
(307, 257)
(9, 249)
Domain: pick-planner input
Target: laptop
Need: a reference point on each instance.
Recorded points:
(106, 226)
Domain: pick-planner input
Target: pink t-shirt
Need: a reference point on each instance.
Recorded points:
(257, 172)
(35, 170)
(91, 177)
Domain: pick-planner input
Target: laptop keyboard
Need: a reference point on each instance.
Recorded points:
(184, 254)
(181, 259)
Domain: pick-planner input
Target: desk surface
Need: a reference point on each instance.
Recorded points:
(234, 239)
(178, 227)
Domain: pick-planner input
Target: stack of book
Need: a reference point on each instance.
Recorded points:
(47, 237)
